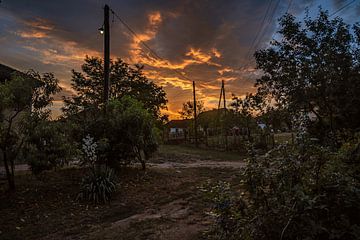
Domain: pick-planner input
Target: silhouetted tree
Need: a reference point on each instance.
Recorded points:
(124, 79)
(187, 110)
(22, 99)
(314, 68)
(243, 111)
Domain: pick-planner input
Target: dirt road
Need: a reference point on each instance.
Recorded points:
(161, 203)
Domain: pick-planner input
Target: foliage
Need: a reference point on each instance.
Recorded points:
(227, 207)
(124, 135)
(126, 131)
(314, 68)
(278, 119)
(98, 186)
(124, 80)
(89, 148)
(241, 110)
(22, 99)
(302, 192)
(187, 111)
(46, 145)
(130, 132)
(309, 190)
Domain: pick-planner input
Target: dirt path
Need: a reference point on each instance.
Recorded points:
(163, 165)
(197, 164)
(172, 221)
(162, 203)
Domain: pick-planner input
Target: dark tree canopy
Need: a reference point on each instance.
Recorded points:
(124, 80)
(187, 110)
(23, 99)
(314, 68)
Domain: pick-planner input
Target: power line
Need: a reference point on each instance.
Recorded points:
(342, 8)
(249, 60)
(289, 6)
(268, 23)
(259, 30)
(262, 33)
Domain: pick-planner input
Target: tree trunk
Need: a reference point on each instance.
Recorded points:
(142, 161)
(206, 137)
(248, 129)
(9, 174)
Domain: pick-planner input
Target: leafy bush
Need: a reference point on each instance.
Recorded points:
(98, 186)
(295, 192)
(47, 146)
(226, 206)
(125, 135)
(129, 130)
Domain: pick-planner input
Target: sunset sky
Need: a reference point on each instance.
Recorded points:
(202, 40)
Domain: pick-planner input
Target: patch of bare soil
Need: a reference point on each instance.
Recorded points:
(197, 164)
(174, 220)
(160, 203)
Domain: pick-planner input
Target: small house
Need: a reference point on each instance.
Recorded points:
(176, 131)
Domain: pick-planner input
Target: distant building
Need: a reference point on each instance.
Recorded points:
(177, 131)
(262, 126)
(7, 72)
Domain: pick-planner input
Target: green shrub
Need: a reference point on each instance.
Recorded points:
(38, 166)
(47, 146)
(294, 192)
(226, 209)
(129, 129)
(124, 136)
(98, 186)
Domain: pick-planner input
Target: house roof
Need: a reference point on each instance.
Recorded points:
(6, 73)
(205, 118)
(185, 123)
(210, 113)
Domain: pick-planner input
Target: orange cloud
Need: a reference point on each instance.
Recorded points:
(216, 52)
(209, 86)
(226, 79)
(32, 34)
(163, 63)
(198, 55)
(38, 28)
(40, 24)
(202, 57)
(174, 114)
(154, 20)
(225, 70)
(184, 84)
(137, 55)
(66, 53)
(57, 51)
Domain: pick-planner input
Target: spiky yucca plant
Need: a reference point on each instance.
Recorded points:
(98, 186)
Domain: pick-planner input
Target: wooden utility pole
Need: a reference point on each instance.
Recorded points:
(195, 116)
(225, 110)
(218, 112)
(221, 92)
(106, 55)
(223, 89)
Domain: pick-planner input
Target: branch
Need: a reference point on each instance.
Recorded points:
(288, 223)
